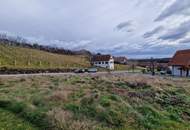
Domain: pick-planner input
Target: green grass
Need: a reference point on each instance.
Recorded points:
(120, 67)
(9, 121)
(18, 57)
(104, 102)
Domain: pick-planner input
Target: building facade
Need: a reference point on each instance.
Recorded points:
(180, 71)
(104, 61)
(180, 63)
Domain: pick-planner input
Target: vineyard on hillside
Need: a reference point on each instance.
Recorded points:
(19, 57)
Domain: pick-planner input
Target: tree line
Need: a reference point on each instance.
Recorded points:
(21, 42)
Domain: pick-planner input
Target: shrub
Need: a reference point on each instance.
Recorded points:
(143, 71)
(22, 80)
(14, 107)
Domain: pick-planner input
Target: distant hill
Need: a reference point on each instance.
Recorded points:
(15, 55)
(23, 43)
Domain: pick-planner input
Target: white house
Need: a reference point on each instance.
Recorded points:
(104, 61)
(180, 63)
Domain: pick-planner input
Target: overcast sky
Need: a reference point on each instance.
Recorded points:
(133, 28)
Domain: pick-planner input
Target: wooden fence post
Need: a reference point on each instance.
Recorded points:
(28, 63)
(40, 63)
(15, 62)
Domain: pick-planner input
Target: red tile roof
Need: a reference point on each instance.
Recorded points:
(101, 58)
(181, 58)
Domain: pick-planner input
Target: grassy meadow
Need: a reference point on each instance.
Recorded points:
(94, 102)
(19, 57)
(128, 68)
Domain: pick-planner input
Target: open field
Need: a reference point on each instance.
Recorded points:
(19, 57)
(94, 102)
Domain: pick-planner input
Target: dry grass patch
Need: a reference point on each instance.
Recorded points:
(60, 96)
(65, 120)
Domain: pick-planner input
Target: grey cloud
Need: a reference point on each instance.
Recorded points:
(138, 3)
(153, 32)
(143, 52)
(125, 26)
(173, 36)
(187, 40)
(157, 51)
(177, 33)
(88, 24)
(178, 7)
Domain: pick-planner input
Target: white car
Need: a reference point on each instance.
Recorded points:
(92, 70)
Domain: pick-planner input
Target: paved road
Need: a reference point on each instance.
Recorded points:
(60, 74)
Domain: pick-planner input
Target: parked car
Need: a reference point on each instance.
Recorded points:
(86, 70)
(92, 70)
(163, 72)
(169, 72)
(79, 71)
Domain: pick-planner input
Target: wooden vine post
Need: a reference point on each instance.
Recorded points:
(15, 62)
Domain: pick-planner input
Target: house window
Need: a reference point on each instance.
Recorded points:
(99, 62)
(106, 62)
(102, 62)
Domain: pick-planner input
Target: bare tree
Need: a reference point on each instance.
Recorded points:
(152, 66)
